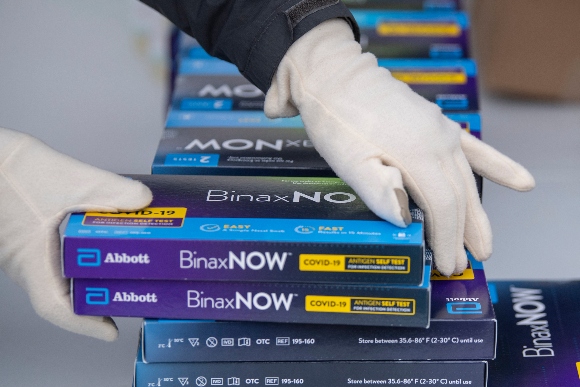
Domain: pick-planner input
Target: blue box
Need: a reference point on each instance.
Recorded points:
(213, 85)
(461, 328)
(538, 333)
(309, 374)
(415, 5)
(256, 229)
(451, 84)
(414, 34)
(248, 143)
(317, 303)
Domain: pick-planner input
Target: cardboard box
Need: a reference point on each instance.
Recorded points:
(220, 228)
(458, 330)
(529, 49)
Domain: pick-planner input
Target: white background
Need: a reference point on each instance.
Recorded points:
(72, 74)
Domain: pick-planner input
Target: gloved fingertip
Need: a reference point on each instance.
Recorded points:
(57, 309)
(135, 195)
(480, 249)
(102, 328)
(481, 256)
(444, 267)
(460, 265)
(524, 181)
(403, 200)
(108, 331)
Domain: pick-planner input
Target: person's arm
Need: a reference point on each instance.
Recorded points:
(38, 188)
(378, 135)
(252, 34)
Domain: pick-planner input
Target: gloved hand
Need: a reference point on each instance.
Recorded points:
(381, 137)
(38, 188)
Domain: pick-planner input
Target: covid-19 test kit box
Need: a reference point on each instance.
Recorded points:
(306, 250)
(451, 84)
(311, 374)
(415, 5)
(212, 86)
(273, 229)
(392, 29)
(248, 143)
(414, 34)
(463, 326)
(283, 302)
(246, 150)
(538, 333)
(216, 92)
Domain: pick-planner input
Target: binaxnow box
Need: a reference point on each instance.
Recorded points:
(283, 302)
(215, 93)
(451, 84)
(253, 150)
(539, 333)
(462, 326)
(414, 34)
(414, 5)
(470, 122)
(390, 29)
(235, 228)
(310, 374)
(248, 143)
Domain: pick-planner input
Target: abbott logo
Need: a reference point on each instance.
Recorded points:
(89, 257)
(97, 296)
(464, 308)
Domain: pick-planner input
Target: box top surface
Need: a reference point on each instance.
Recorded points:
(197, 207)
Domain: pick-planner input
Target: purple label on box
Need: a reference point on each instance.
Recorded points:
(269, 302)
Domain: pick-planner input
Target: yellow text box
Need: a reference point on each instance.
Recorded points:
(424, 77)
(355, 263)
(148, 217)
(419, 29)
(360, 305)
(466, 275)
(149, 212)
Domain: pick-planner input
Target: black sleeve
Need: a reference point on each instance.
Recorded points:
(252, 34)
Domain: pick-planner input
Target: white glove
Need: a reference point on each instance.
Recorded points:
(38, 188)
(379, 136)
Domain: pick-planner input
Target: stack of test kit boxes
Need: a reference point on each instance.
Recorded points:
(255, 265)
(247, 248)
(336, 283)
(216, 125)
